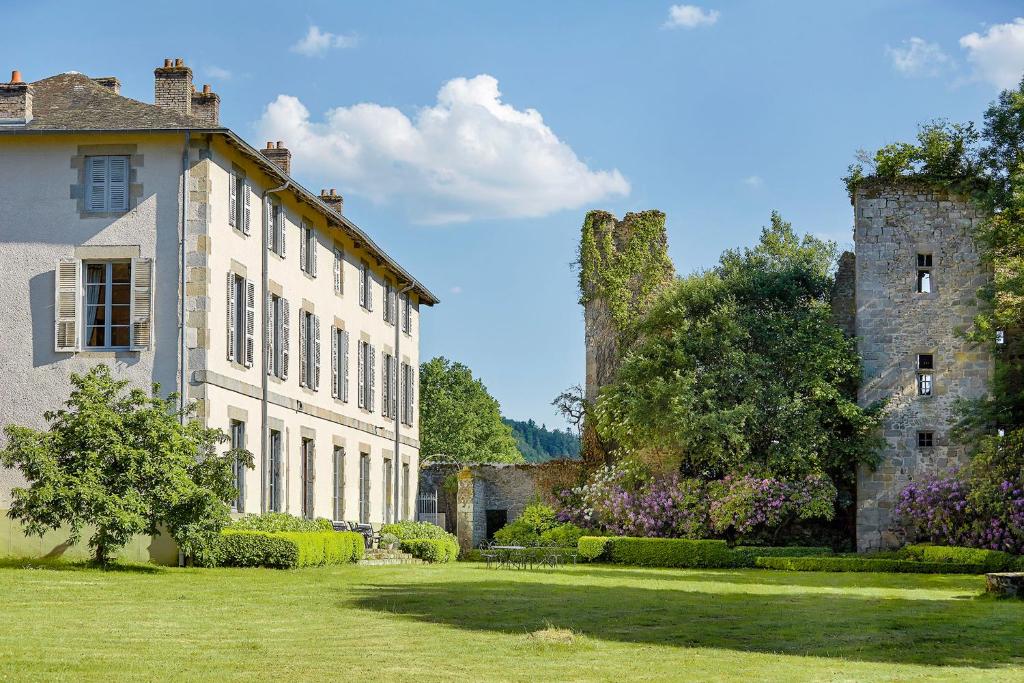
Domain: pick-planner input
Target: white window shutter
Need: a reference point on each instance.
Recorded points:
(337, 270)
(344, 366)
(281, 229)
(385, 400)
(285, 341)
(371, 377)
(232, 198)
(303, 331)
(362, 284)
(246, 210)
(394, 387)
(250, 322)
(96, 182)
(361, 374)
(334, 362)
(232, 316)
(316, 353)
(268, 323)
(142, 303)
(118, 184)
(268, 221)
(312, 245)
(67, 305)
(303, 232)
(369, 288)
(412, 394)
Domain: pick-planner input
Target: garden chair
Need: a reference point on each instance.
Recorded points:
(486, 552)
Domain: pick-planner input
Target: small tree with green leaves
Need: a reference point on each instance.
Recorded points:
(124, 462)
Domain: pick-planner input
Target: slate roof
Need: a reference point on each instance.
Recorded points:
(73, 101)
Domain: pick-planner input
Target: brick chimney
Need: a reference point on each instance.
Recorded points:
(173, 86)
(110, 82)
(333, 200)
(15, 101)
(280, 155)
(206, 107)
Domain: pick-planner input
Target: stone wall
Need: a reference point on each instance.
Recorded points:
(894, 324)
(844, 301)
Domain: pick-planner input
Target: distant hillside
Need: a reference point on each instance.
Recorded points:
(537, 443)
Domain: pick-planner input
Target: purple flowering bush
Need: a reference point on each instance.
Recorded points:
(625, 500)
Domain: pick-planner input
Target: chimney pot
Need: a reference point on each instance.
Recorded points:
(15, 76)
(280, 145)
(179, 62)
(173, 87)
(206, 88)
(333, 192)
(333, 200)
(167, 63)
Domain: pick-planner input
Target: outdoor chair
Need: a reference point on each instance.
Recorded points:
(486, 552)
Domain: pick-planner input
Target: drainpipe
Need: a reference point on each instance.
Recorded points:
(265, 383)
(182, 349)
(399, 319)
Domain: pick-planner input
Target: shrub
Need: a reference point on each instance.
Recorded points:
(748, 503)
(748, 554)
(861, 564)
(563, 536)
(279, 521)
(593, 547)
(431, 549)
(670, 552)
(992, 560)
(408, 530)
(287, 549)
(388, 540)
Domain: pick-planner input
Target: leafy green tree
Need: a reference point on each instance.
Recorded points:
(121, 460)
(459, 420)
(537, 443)
(741, 368)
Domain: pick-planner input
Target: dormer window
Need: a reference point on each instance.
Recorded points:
(924, 273)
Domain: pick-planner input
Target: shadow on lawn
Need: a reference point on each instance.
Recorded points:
(77, 565)
(936, 632)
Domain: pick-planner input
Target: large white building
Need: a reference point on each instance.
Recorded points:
(149, 238)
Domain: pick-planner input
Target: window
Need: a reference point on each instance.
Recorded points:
(389, 492)
(338, 484)
(274, 223)
(307, 250)
(389, 388)
(365, 286)
(278, 346)
(309, 350)
(275, 473)
(406, 314)
(925, 361)
(108, 298)
(407, 394)
(924, 273)
(339, 364)
(339, 271)
(925, 439)
(365, 374)
(405, 491)
(308, 476)
(237, 469)
(106, 183)
(925, 365)
(364, 488)
(238, 202)
(390, 308)
(241, 314)
(1000, 337)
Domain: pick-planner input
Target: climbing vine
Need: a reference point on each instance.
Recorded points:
(624, 264)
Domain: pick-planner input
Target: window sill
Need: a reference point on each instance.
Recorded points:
(104, 214)
(107, 353)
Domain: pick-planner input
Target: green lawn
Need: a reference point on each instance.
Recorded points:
(467, 622)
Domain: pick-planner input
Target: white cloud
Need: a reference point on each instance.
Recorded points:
(316, 43)
(918, 57)
(217, 72)
(690, 16)
(753, 181)
(997, 55)
(469, 156)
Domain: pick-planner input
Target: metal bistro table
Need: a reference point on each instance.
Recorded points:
(511, 556)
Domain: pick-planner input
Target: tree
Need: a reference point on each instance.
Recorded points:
(124, 461)
(459, 420)
(741, 368)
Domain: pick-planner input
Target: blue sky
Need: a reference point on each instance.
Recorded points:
(715, 113)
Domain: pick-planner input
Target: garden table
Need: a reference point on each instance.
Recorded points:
(511, 556)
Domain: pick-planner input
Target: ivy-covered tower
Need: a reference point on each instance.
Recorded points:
(624, 265)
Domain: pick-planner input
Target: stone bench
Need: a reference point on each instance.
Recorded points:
(1006, 584)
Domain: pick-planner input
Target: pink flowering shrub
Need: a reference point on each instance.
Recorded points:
(749, 503)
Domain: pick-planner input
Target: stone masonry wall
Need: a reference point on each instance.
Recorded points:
(894, 323)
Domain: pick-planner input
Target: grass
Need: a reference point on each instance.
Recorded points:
(466, 622)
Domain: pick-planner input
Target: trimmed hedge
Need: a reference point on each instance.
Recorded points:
(861, 564)
(409, 530)
(476, 555)
(431, 549)
(750, 553)
(279, 521)
(992, 560)
(288, 549)
(593, 547)
(670, 552)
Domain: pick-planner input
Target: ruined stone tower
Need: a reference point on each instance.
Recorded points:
(624, 265)
(917, 276)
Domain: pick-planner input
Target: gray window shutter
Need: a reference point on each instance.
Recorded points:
(96, 183)
(310, 477)
(334, 362)
(281, 229)
(412, 394)
(361, 374)
(369, 288)
(268, 323)
(371, 378)
(232, 316)
(285, 341)
(67, 305)
(142, 303)
(303, 331)
(316, 353)
(394, 387)
(118, 184)
(246, 210)
(385, 385)
(337, 270)
(362, 284)
(303, 233)
(312, 245)
(268, 221)
(344, 366)
(250, 322)
(232, 198)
